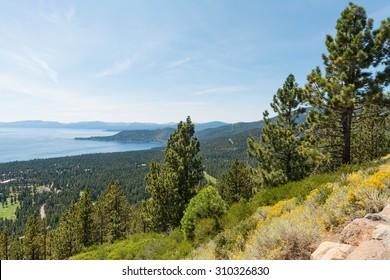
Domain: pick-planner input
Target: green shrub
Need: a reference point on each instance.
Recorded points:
(298, 189)
(205, 229)
(236, 213)
(292, 236)
(206, 204)
(148, 246)
(233, 240)
(322, 194)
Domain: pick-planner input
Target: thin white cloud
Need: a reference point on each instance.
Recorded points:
(181, 103)
(59, 16)
(152, 64)
(179, 62)
(19, 60)
(32, 63)
(221, 90)
(70, 13)
(27, 87)
(45, 67)
(117, 68)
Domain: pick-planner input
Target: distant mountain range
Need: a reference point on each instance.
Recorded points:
(156, 135)
(103, 125)
(162, 134)
(152, 132)
(204, 132)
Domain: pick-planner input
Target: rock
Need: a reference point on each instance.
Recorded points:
(370, 235)
(378, 217)
(381, 232)
(386, 210)
(332, 251)
(370, 250)
(358, 231)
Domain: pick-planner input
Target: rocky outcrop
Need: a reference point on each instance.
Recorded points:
(366, 238)
(332, 251)
(358, 231)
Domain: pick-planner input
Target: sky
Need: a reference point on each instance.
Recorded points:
(159, 61)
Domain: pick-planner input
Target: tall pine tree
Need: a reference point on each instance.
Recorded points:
(84, 214)
(112, 214)
(33, 240)
(236, 184)
(372, 139)
(277, 152)
(67, 235)
(171, 185)
(348, 84)
(4, 244)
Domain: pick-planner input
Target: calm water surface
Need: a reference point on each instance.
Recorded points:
(26, 143)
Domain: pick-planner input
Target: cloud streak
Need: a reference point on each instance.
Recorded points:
(27, 87)
(45, 67)
(179, 62)
(116, 69)
(221, 90)
(32, 63)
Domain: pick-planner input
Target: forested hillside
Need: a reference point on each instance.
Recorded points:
(158, 135)
(280, 187)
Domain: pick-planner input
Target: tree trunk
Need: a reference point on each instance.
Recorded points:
(347, 131)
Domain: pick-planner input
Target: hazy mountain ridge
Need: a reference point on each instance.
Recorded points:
(111, 126)
(162, 135)
(204, 132)
(157, 135)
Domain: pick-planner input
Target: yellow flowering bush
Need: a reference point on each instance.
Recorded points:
(354, 178)
(379, 180)
(319, 196)
(292, 235)
(282, 207)
(292, 229)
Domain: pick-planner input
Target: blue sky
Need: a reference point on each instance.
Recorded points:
(158, 61)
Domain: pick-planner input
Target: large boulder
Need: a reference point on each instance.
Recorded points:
(382, 232)
(367, 238)
(386, 210)
(370, 250)
(358, 231)
(332, 251)
(381, 217)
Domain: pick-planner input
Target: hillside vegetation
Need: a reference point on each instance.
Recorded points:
(286, 222)
(158, 135)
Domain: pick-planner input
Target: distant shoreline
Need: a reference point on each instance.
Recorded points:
(20, 144)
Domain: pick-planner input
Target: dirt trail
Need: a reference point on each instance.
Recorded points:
(42, 211)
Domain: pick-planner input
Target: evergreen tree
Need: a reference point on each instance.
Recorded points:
(372, 138)
(16, 249)
(172, 184)
(112, 214)
(33, 241)
(278, 151)
(348, 83)
(4, 244)
(44, 238)
(50, 244)
(236, 184)
(85, 210)
(382, 56)
(67, 235)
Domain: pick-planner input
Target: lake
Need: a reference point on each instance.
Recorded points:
(18, 144)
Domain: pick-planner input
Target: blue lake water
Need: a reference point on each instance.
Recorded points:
(18, 144)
